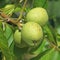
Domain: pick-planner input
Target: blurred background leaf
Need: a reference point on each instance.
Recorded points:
(40, 3)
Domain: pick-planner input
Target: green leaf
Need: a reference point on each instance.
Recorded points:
(8, 34)
(12, 48)
(58, 34)
(4, 46)
(41, 55)
(51, 55)
(8, 9)
(50, 33)
(58, 30)
(40, 3)
(17, 9)
(41, 48)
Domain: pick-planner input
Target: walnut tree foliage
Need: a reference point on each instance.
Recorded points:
(49, 47)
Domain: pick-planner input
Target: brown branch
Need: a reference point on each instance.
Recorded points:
(8, 19)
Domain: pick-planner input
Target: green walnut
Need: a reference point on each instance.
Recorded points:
(17, 37)
(32, 33)
(18, 41)
(38, 15)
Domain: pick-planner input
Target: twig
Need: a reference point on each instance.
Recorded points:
(53, 45)
(21, 13)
